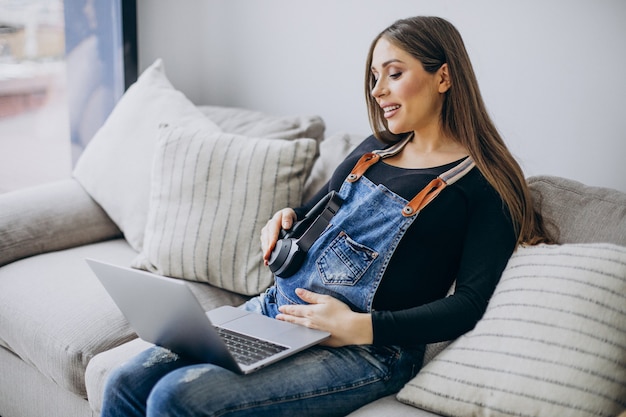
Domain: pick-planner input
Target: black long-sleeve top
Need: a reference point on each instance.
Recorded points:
(465, 234)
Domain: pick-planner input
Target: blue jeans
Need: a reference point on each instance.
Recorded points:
(319, 381)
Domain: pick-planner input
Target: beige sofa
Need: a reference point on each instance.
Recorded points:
(553, 341)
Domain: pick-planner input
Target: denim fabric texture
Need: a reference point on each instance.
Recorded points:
(317, 382)
(349, 259)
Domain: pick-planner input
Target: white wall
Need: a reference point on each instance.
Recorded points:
(552, 72)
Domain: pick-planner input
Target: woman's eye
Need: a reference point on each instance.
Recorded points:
(395, 75)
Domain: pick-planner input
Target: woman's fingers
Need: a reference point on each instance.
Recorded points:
(282, 219)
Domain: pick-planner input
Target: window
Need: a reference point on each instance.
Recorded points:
(63, 66)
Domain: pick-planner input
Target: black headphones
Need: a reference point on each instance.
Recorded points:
(293, 245)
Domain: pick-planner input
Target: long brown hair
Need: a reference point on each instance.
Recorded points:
(435, 41)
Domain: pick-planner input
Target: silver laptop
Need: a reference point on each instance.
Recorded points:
(165, 312)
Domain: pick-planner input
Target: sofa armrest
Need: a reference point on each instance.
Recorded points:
(49, 217)
(578, 213)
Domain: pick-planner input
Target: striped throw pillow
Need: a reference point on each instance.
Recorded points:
(551, 343)
(211, 194)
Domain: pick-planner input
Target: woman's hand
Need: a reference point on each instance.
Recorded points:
(327, 313)
(283, 219)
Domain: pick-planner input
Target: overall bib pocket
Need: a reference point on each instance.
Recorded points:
(344, 261)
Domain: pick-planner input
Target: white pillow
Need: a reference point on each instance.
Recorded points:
(116, 164)
(211, 195)
(551, 343)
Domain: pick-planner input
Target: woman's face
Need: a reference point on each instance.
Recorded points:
(410, 97)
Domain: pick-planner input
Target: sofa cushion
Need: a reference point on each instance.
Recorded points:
(115, 166)
(55, 315)
(389, 406)
(578, 213)
(212, 193)
(50, 217)
(103, 363)
(333, 150)
(552, 341)
(258, 124)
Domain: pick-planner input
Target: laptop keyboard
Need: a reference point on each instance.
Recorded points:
(247, 349)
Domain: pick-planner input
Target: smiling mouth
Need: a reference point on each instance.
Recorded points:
(390, 110)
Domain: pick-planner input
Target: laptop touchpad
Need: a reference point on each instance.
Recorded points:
(258, 325)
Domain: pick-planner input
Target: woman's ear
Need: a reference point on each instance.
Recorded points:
(444, 78)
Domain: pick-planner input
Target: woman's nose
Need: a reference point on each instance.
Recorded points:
(378, 90)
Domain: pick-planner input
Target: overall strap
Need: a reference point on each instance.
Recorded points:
(429, 192)
(433, 189)
(371, 158)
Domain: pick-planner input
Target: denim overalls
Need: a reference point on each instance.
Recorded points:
(349, 259)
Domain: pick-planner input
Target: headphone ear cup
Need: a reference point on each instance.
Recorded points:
(294, 262)
(286, 258)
